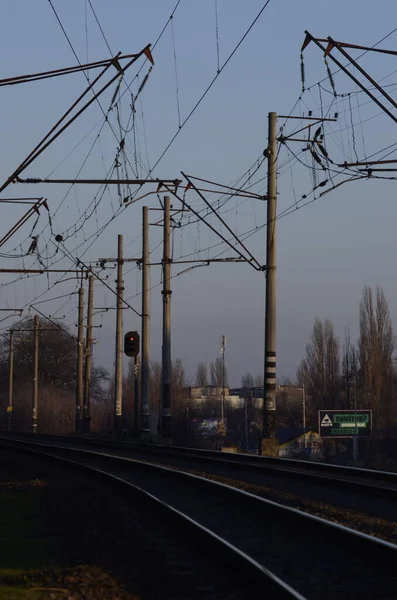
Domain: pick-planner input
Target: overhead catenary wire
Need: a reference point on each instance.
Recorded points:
(99, 231)
(79, 262)
(96, 235)
(184, 203)
(84, 73)
(224, 223)
(360, 56)
(178, 108)
(54, 323)
(100, 26)
(208, 88)
(51, 299)
(217, 35)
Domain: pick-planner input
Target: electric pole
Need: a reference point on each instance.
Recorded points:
(10, 381)
(269, 445)
(223, 348)
(136, 395)
(145, 414)
(166, 349)
(304, 415)
(88, 356)
(118, 376)
(80, 364)
(355, 440)
(35, 373)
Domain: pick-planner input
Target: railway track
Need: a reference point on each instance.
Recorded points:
(285, 552)
(295, 468)
(365, 491)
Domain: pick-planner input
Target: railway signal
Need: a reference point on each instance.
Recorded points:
(131, 344)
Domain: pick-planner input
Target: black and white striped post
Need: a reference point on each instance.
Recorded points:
(269, 444)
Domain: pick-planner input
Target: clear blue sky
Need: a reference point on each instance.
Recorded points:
(327, 251)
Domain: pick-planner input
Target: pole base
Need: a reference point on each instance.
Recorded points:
(145, 437)
(118, 426)
(165, 441)
(86, 424)
(79, 425)
(269, 447)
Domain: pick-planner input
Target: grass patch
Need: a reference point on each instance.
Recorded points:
(28, 585)
(22, 543)
(43, 555)
(23, 593)
(81, 581)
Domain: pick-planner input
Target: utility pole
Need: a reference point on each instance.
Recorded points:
(118, 375)
(269, 445)
(80, 364)
(304, 415)
(136, 395)
(10, 381)
(246, 422)
(145, 414)
(223, 387)
(223, 348)
(166, 349)
(35, 373)
(355, 440)
(88, 356)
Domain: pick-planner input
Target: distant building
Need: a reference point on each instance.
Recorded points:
(243, 392)
(206, 391)
(291, 392)
(212, 392)
(293, 442)
(286, 393)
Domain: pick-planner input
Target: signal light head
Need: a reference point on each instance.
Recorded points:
(131, 343)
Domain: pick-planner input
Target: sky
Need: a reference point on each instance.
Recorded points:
(327, 250)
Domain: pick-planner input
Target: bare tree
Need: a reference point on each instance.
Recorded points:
(99, 377)
(319, 371)
(57, 377)
(155, 385)
(57, 351)
(285, 380)
(247, 380)
(350, 371)
(201, 375)
(216, 370)
(376, 346)
(289, 410)
(178, 384)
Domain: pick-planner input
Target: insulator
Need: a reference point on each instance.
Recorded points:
(322, 150)
(317, 159)
(318, 131)
(302, 73)
(330, 76)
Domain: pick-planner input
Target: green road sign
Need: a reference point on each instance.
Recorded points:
(344, 423)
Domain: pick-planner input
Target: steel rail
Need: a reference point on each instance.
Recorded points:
(366, 548)
(368, 481)
(245, 564)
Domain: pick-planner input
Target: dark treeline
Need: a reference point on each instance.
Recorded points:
(359, 374)
(334, 374)
(57, 379)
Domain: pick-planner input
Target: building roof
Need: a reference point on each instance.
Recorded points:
(292, 392)
(286, 434)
